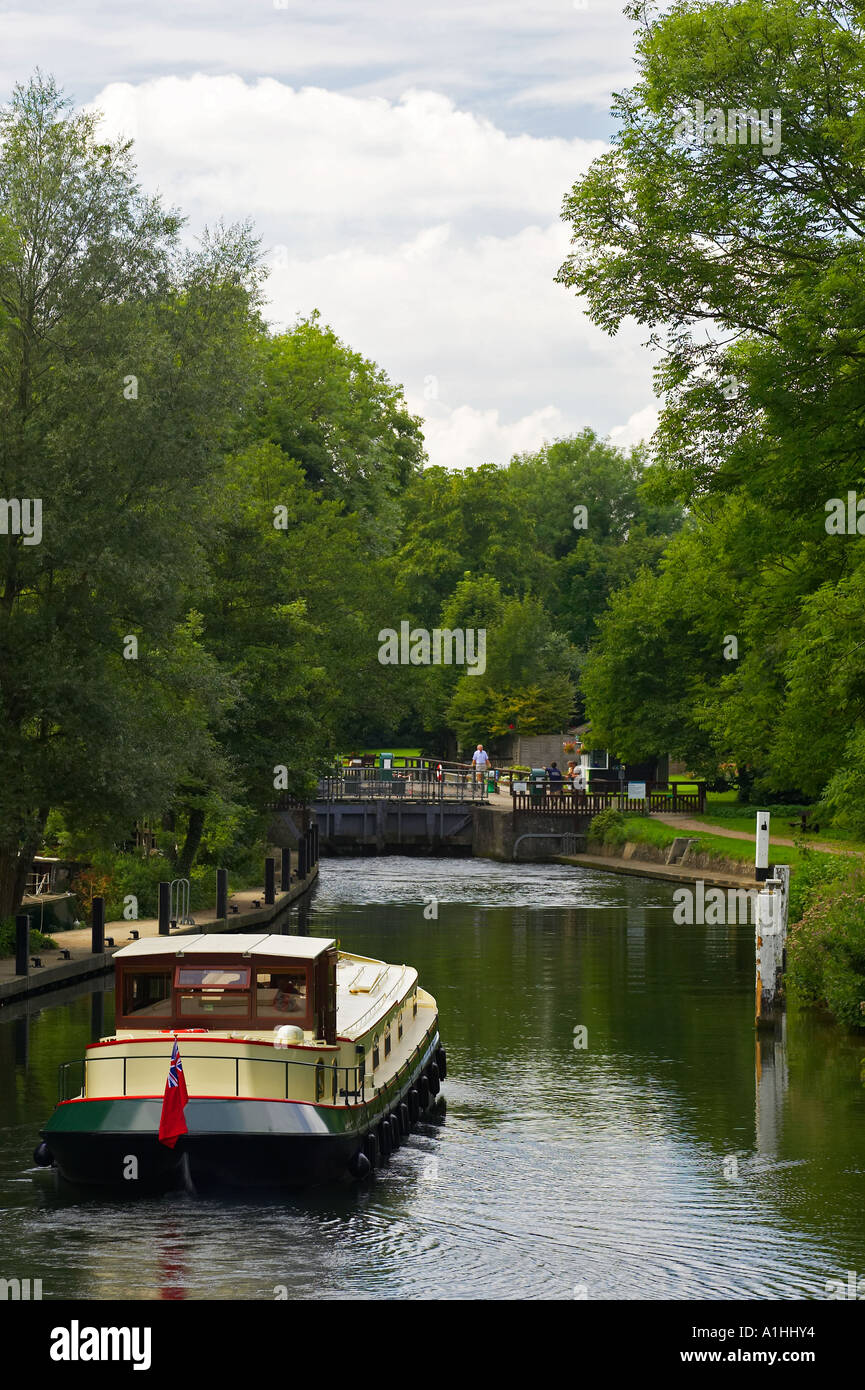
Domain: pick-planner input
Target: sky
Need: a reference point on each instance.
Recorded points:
(404, 163)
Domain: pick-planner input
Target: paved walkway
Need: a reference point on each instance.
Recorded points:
(689, 823)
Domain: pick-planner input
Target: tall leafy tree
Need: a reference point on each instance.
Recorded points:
(738, 242)
(292, 614)
(122, 361)
(340, 417)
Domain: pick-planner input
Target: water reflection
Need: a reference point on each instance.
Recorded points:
(555, 1167)
(772, 1082)
(21, 1034)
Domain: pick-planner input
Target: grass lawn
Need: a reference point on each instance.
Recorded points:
(652, 832)
(733, 816)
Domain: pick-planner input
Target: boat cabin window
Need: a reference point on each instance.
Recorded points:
(212, 990)
(234, 993)
(211, 977)
(280, 993)
(147, 994)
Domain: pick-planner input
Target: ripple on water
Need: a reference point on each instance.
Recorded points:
(555, 1170)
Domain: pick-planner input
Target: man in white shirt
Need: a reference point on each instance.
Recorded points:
(481, 761)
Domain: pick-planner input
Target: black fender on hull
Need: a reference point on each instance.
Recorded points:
(360, 1166)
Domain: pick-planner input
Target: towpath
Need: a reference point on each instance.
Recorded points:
(692, 824)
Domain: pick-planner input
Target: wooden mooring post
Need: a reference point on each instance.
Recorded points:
(269, 881)
(222, 893)
(22, 944)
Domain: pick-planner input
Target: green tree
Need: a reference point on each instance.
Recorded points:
(339, 416)
(292, 614)
(122, 362)
(526, 686)
(744, 258)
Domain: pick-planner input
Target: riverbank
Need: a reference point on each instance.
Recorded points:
(648, 861)
(57, 972)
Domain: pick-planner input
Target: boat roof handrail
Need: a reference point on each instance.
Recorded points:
(382, 1001)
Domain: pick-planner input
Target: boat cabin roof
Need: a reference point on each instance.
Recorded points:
(234, 944)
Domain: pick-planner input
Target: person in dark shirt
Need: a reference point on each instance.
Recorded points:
(555, 778)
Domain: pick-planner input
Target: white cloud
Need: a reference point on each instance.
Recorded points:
(465, 437)
(483, 55)
(639, 426)
(426, 236)
(325, 168)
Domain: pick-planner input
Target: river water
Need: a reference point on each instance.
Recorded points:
(670, 1157)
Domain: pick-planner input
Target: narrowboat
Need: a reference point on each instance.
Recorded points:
(302, 1064)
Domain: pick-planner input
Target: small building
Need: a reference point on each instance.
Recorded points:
(605, 773)
(601, 770)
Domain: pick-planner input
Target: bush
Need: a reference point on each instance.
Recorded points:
(813, 873)
(38, 942)
(609, 827)
(134, 875)
(826, 948)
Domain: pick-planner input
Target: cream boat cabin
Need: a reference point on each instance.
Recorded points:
(301, 1062)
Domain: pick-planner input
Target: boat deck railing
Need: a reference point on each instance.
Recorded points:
(73, 1076)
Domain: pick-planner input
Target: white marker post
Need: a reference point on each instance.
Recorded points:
(771, 940)
(761, 859)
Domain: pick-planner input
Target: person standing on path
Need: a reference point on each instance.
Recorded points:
(481, 761)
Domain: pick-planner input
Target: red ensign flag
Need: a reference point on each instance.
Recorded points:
(171, 1121)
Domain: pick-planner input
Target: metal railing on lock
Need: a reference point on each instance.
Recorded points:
(427, 780)
(544, 796)
(72, 1076)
